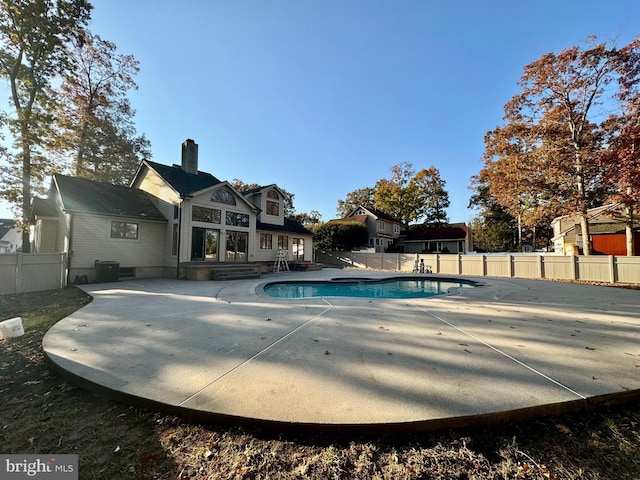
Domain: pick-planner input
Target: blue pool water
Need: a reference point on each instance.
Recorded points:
(418, 287)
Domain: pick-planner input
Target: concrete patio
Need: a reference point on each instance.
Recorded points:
(510, 349)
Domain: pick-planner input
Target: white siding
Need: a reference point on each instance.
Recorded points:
(164, 198)
(92, 241)
(151, 182)
(45, 235)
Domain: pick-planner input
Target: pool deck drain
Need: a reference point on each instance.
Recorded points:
(223, 351)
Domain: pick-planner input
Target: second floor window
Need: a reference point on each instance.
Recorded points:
(273, 208)
(204, 214)
(273, 203)
(237, 219)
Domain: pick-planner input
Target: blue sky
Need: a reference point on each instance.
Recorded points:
(324, 97)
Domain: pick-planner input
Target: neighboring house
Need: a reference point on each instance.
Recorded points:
(455, 238)
(384, 230)
(606, 228)
(171, 221)
(10, 236)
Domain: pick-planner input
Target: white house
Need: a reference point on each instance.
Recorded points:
(10, 236)
(384, 230)
(171, 221)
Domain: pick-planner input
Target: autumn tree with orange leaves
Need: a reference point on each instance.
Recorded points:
(546, 159)
(409, 196)
(621, 159)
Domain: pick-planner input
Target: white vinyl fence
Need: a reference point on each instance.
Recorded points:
(32, 272)
(597, 268)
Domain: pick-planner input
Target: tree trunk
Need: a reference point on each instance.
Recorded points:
(26, 192)
(586, 241)
(584, 223)
(631, 251)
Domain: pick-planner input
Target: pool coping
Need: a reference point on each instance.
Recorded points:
(342, 280)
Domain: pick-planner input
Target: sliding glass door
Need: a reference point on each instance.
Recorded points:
(204, 244)
(237, 246)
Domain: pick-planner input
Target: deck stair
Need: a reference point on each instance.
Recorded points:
(218, 271)
(235, 271)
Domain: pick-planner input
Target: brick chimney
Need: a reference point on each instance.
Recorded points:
(190, 156)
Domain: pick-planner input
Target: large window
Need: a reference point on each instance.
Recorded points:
(273, 208)
(204, 214)
(283, 242)
(223, 196)
(237, 219)
(273, 203)
(266, 241)
(124, 230)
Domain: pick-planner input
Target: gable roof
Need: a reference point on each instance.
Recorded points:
(183, 182)
(436, 233)
(377, 213)
(6, 225)
(290, 226)
(611, 214)
(263, 187)
(43, 207)
(80, 195)
(355, 218)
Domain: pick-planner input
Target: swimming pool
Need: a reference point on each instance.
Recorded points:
(403, 287)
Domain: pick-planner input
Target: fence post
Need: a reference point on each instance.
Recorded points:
(574, 267)
(510, 265)
(612, 269)
(540, 266)
(19, 271)
(459, 264)
(484, 265)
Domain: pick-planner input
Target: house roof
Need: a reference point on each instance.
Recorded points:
(43, 207)
(259, 189)
(357, 218)
(80, 195)
(612, 215)
(182, 182)
(436, 233)
(290, 226)
(378, 213)
(6, 224)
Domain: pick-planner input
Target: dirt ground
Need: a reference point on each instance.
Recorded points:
(41, 413)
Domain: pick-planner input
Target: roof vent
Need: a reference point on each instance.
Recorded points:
(190, 156)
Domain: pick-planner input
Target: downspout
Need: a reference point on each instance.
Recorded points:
(70, 249)
(179, 238)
